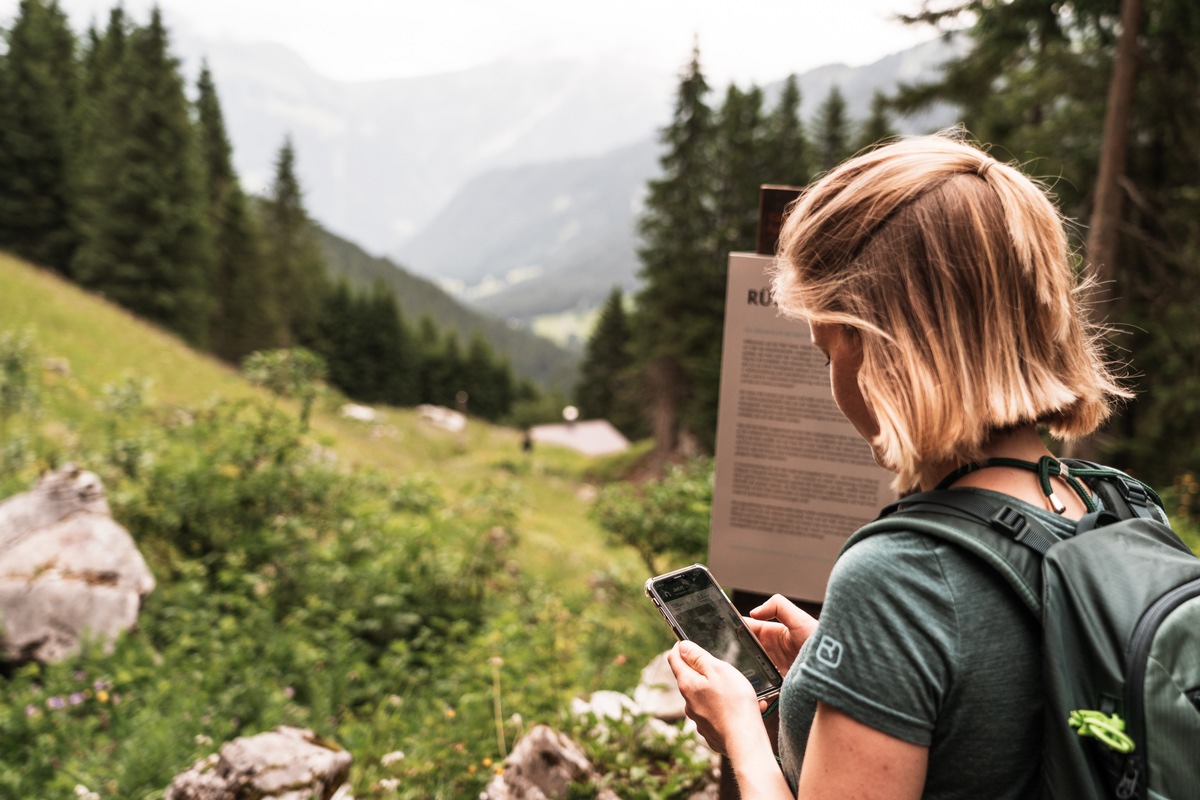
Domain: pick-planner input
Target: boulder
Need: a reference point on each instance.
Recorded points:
(657, 693)
(542, 766)
(284, 764)
(68, 571)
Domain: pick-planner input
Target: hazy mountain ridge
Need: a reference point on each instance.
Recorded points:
(512, 238)
(379, 159)
(517, 262)
(530, 356)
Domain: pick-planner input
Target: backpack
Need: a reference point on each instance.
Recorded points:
(1119, 604)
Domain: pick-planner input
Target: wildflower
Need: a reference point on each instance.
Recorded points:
(392, 758)
(101, 686)
(84, 793)
(472, 769)
(451, 713)
(487, 762)
(289, 692)
(31, 710)
(202, 740)
(620, 659)
(102, 696)
(389, 784)
(496, 661)
(56, 703)
(76, 698)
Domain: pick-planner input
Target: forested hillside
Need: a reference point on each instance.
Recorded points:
(114, 178)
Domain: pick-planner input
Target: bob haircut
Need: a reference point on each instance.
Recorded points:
(953, 270)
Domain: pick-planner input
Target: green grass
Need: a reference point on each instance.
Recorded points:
(105, 345)
(562, 615)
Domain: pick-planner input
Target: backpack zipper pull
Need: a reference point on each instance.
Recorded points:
(1127, 788)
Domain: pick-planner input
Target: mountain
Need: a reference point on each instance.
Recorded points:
(544, 237)
(379, 159)
(530, 356)
(549, 238)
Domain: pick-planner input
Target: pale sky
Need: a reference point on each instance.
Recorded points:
(740, 40)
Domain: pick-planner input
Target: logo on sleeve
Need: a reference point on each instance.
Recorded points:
(829, 652)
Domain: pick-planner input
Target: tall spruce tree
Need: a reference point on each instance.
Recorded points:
(740, 167)
(39, 87)
(144, 237)
(245, 311)
(877, 129)
(677, 330)
(605, 389)
(831, 131)
(788, 156)
(296, 263)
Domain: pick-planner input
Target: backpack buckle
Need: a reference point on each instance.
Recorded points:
(1011, 523)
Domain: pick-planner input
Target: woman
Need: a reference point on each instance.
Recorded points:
(938, 283)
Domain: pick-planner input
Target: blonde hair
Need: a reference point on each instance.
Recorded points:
(953, 270)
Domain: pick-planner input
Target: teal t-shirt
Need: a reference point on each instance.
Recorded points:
(923, 641)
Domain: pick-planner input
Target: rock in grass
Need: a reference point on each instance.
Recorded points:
(284, 764)
(68, 571)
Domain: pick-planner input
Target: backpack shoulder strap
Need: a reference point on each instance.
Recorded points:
(1005, 539)
(1123, 495)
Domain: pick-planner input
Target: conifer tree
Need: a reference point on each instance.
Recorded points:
(144, 238)
(831, 131)
(297, 266)
(246, 315)
(39, 87)
(487, 380)
(605, 389)
(677, 336)
(877, 128)
(740, 167)
(788, 154)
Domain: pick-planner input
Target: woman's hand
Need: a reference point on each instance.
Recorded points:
(719, 698)
(782, 628)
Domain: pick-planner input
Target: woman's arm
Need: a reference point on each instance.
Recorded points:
(844, 759)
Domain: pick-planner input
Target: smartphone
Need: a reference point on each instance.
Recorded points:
(697, 609)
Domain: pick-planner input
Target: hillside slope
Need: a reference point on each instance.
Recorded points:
(530, 356)
(96, 343)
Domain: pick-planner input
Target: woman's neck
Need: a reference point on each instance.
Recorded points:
(1021, 444)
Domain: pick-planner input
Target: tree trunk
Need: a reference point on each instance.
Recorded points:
(1106, 211)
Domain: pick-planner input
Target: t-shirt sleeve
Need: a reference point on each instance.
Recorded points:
(887, 643)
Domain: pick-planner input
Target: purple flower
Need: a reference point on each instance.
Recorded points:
(100, 685)
(76, 698)
(56, 703)
(30, 710)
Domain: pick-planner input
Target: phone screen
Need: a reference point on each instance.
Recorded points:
(698, 610)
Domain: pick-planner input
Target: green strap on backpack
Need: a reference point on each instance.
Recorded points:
(1119, 604)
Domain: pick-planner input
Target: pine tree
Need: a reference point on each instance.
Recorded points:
(246, 315)
(831, 131)
(297, 266)
(787, 146)
(487, 380)
(145, 241)
(741, 166)
(681, 305)
(605, 389)
(877, 129)
(39, 87)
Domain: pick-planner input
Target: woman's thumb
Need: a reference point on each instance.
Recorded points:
(692, 653)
